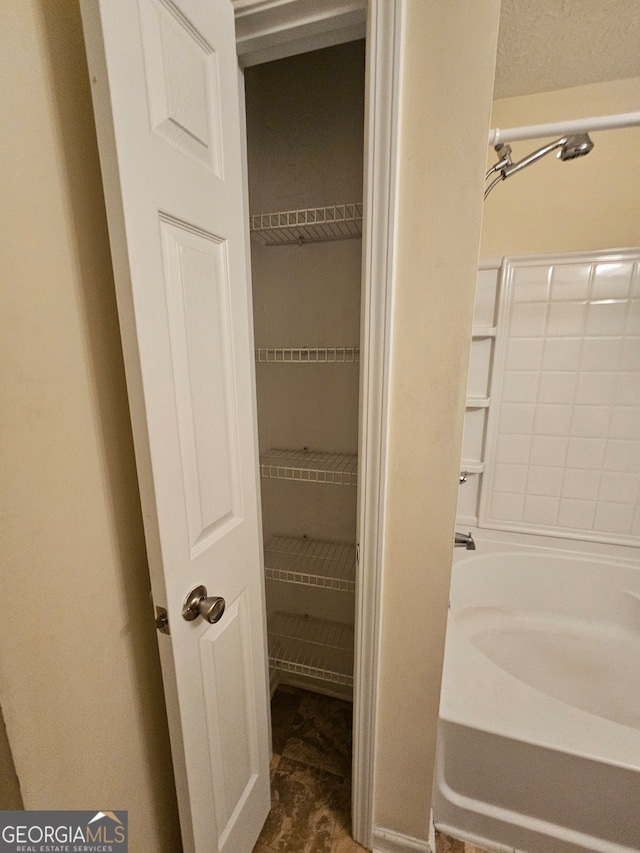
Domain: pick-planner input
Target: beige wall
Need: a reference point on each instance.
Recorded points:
(448, 71)
(80, 683)
(589, 203)
(10, 797)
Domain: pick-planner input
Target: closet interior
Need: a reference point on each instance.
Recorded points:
(305, 121)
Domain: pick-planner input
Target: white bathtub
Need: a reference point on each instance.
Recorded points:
(539, 735)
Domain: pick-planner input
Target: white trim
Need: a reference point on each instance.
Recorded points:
(490, 263)
(383, 44)
(387, 841)
(272, 29)
(432, 831)
(563, 128)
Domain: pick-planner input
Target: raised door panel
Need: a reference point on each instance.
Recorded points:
(183, 82)
(197, 291)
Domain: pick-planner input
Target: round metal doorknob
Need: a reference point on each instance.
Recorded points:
(197, 603)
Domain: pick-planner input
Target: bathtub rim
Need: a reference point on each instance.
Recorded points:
(568, 729)
(488, 540)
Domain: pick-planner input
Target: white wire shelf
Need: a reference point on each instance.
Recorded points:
(327, 565)
(336, 222)
(339, 469)
(309, 355)
(312, 647)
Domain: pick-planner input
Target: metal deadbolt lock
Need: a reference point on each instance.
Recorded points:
(197, 603)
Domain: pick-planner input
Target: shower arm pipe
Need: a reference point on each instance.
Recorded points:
(493, 183)
(563, 128)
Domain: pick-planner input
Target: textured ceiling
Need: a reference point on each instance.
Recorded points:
(554, 44)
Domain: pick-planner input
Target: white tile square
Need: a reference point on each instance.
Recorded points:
(590, 421)
(622, 456)
(557, 387)
(549, 450)
(619, 486)
(543, 480)
(596, 389)
(513, 449)
(601, 354)
(628, 390)
(576, 514)
(635, 282)
(552, 419)
(524, 354)
(631, 354)
(540, 510)
(613, 518)
(606, 318)
(506, 507)
(517, 417)
(566, 319)
(585, 452)
(530, 284)
(633, 318)
(570, 281)
(625, 422)
(527, 320)
(561, 353)
(581, 483)
(519, 386)
(509, 478)
(612, 280)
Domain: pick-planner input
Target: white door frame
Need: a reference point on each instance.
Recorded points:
(268, 29)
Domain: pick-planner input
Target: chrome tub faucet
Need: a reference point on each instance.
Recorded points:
(464, 540)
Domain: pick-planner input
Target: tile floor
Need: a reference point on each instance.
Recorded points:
(444, 844)
(311, 778)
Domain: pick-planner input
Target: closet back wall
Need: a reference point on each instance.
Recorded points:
(305, 120)
(305, 128)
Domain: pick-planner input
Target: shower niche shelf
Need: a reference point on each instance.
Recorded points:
(472, 467)
(312, 225)
(479, 332)
(339, 469)
(308, 355)
(479, 400)
(326, 565)
(314, 648)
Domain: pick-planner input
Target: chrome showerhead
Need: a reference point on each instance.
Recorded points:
(575, 146)
(568, 148)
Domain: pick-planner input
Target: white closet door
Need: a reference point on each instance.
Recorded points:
(165, 82)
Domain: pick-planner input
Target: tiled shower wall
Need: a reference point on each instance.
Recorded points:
(561, 454)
